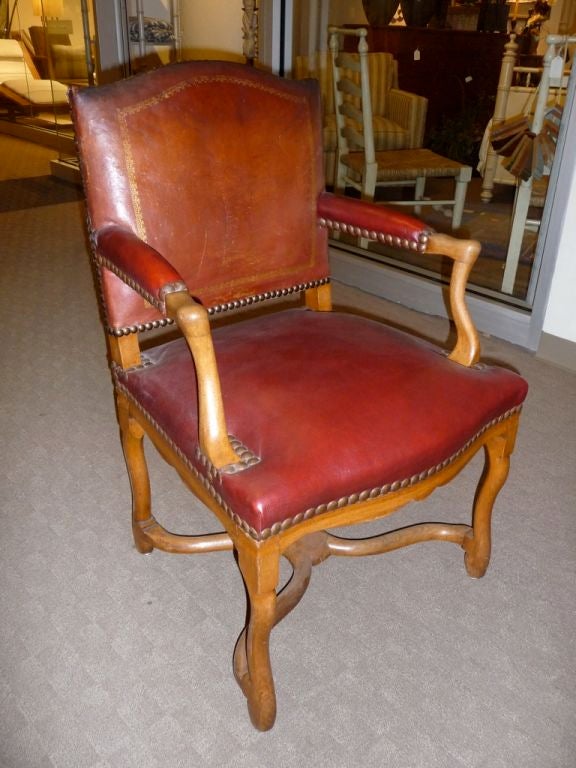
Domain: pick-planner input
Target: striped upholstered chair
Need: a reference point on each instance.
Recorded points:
(399, 116)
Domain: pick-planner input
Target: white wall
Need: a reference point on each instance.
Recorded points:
(560, 317)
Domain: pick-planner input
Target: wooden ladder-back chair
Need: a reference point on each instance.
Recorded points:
(205, 194)
(358, 164)
(398, 116)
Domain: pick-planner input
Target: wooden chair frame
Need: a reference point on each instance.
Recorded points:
(133, 273)
(310, 542)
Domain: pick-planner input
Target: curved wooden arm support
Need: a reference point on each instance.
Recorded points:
(464, 254)
(396, 229)
(192, 318)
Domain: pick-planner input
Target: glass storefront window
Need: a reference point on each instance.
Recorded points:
(459, 70)
(46, 46)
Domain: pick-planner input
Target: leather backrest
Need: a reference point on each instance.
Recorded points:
(217, 166)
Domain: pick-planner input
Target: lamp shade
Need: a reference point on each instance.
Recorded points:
(48, 8)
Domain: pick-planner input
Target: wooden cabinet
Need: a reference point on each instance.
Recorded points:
(457, 70)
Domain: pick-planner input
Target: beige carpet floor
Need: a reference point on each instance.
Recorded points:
(109, 659)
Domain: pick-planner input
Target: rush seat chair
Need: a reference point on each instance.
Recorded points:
(205, 195)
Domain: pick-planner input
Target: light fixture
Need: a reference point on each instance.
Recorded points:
(518, 11)
(48, 9)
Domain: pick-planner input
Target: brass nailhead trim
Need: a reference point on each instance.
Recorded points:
(344, 501)
(384, 489)
(129, 281)
(218, 308)
(206, 481)
(266, 296)
(140, 327)
(247, 458)
(371, 234)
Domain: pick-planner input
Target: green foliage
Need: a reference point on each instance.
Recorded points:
(459, 136)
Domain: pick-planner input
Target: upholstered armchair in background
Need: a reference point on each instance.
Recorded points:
(399, 117)
(56, 57)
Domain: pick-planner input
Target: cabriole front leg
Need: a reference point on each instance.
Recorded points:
(133, 445)
(477, 544)
(252, 666)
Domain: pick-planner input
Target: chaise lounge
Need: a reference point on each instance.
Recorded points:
(20, 84)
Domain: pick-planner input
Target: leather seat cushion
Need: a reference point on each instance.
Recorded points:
(334, 405)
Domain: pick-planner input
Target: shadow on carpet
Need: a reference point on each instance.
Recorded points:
(36, 191)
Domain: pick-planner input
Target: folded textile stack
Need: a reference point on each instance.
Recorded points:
(155, 30)
(527, 154)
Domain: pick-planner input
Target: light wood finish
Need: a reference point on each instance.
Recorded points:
(363, 469)
(193, 320)
(308, 543)
(464, 254)
(319, 298)
(311, 544)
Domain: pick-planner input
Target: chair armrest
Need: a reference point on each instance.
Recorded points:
(373, 221)
(391, 227)
(137, 264)
(408, 110)
(153, 277)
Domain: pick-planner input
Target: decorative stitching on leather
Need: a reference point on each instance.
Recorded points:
(383, 237)
(330, 506)
(125, 112)
(266, 296)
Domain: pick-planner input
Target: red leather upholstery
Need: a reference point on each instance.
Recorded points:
(403, 230)
(332, 404)
(135, 139)
(139, 265)
(207, 176)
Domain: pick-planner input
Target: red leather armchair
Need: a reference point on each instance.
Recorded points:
(205, 194)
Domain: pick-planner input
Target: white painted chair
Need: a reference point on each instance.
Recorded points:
(546, 92)
(358, 164)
